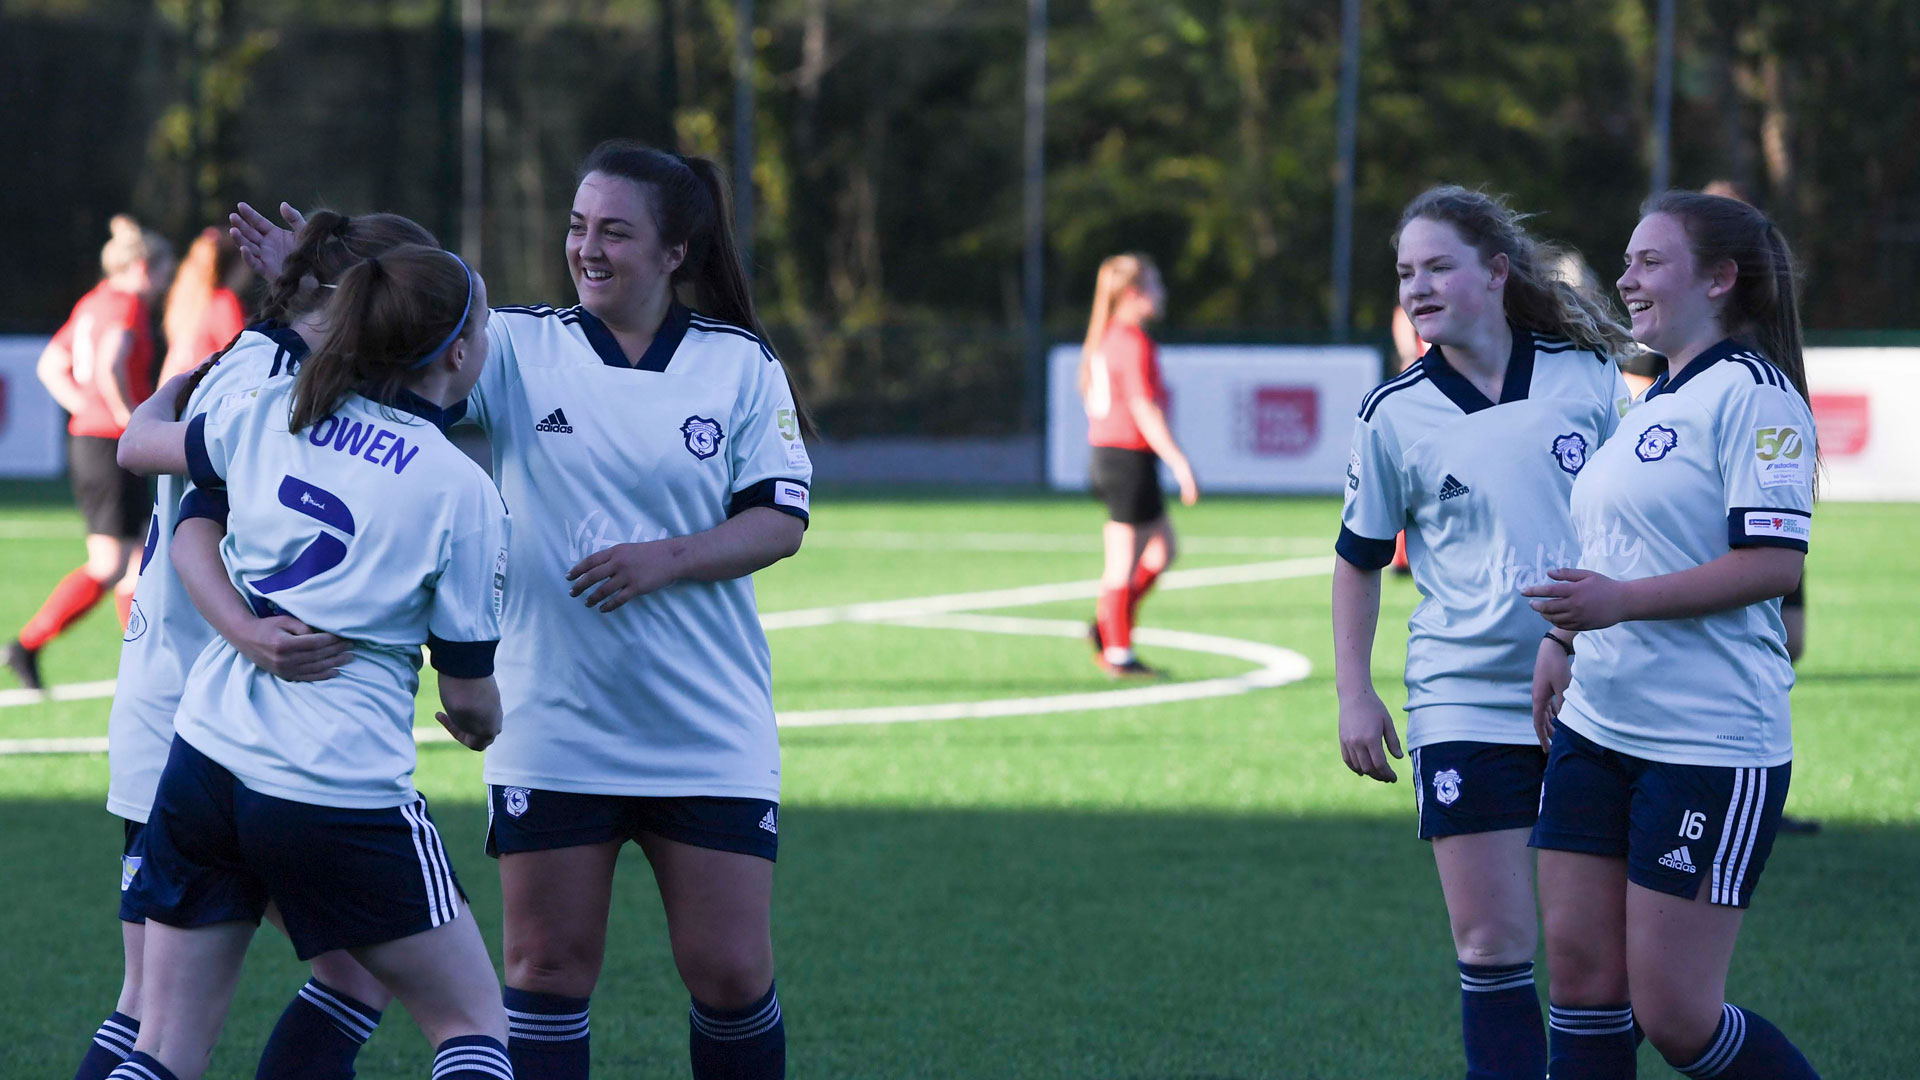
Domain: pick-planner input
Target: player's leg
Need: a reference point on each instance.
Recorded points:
(446, 980)
(719, 906)
(1119, 544)
(557, 854)
(187, 985)
(114, 1040)
(73, 597)
(320, 1032)
(1156, 546)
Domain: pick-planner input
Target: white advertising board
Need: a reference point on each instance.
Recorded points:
(1251, 418)
(1866, 405)
(33, 429)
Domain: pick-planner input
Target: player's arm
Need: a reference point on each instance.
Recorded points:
(1584, 600)
(745, 543)
(470, 710)
(56, 374)
(1152, 421)
(281, 645)
(155, 441)
(1366, 728)
(111, 369)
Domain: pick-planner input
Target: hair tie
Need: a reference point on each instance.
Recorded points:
(453, 334)
(340, 227)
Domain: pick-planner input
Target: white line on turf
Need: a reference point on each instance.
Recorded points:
(1065, 543)
(73, 691)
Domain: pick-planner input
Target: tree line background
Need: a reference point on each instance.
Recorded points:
(887, 241)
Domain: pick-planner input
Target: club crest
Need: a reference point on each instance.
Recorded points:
(515, 799)
(1446, 786)
(1571, 452)
(703, 436)
(1656, 442)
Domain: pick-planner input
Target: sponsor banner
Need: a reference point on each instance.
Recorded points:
(1252, 418)
(1865, 402)
(33, 429)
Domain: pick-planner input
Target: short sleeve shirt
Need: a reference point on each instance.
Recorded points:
(1124, 369)
(101, 313)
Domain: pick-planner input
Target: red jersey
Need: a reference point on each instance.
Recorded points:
(99, 315)
(1124, 369)
(220, 323)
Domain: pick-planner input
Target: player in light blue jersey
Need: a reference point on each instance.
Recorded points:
(1472, 451)
(324, 1025)
(1673, 748)
(338, 500)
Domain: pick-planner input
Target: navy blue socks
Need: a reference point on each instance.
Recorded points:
(546, 1035)
(1500, 1022)
(139, 1066)
(112, 1044)
(318, 1036)
(1592, 1043)
(740, 1044)
(471, 1057)
(1746, 1047)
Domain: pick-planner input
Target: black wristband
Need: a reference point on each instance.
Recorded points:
(1567, 645)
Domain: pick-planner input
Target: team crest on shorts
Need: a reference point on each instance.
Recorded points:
(1656, 442)
(515, 799)
(703, 436)
(1571, 452)
(129, 866)
(1446, 786)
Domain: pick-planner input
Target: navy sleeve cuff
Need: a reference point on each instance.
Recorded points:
(462, 659)
(787, 496)
(1768, 526)
(1363, 552)
(199, 465)
(201, 503)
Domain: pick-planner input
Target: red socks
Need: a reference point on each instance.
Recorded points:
(1143, 580)
(1114, 613)
(73, 597)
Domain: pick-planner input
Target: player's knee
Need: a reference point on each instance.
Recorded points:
(1494, 942)
(1579, 973)
(725, 977)
(341, 972)
(552, 966)
(1680, 1030)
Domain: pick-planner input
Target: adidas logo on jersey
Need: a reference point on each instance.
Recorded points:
(556, 421)
(1451, 488)
(770, 824)
(1679, 859)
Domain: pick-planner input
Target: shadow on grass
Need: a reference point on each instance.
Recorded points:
(1032, 943)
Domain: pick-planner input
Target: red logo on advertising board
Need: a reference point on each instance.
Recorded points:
(1844, 422)
(1283, 421)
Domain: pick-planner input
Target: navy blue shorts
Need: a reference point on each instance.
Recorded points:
(132, 851)
(1474, 787)
(217, 852)
(1678, 826)
(532, 819)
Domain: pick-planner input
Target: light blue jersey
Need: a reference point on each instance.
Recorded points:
(1481, 490)
(369, 525)
(166, 632)
(1722, 457)
(671, 694)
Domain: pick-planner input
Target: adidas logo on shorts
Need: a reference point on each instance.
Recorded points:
(1679, 859)
(556, 421)
(1451, 488)
(770, 824)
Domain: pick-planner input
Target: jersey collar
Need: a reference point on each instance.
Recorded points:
(658, 355)
(1463, 393)
(282, 335)
(1666, 384)
(409, 402)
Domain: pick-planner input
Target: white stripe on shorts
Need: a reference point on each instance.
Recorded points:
(1733, 831)
(433, 874)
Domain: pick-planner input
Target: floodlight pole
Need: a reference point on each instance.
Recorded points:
(743, 133)
(1033, 207)
(1344, 168)
(473, 120)
(1663, 102)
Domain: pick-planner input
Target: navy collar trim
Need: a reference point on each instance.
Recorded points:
(1667, 384)
(1461, 391)
(666, 340)
(409, 402)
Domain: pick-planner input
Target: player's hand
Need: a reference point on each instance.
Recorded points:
(263, 244)
(1552, 671)
(1189, 488)
(1579, 600)
(289, 649)
(474, 735)
(622, 572)
(1365, 725)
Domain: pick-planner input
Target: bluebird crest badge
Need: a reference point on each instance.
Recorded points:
(1656, 442)
(1446, 787)
(703, 436)
(1571, 452)
(516, 800)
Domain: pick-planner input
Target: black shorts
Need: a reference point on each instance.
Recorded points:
(132, 851)
(217, 851)
(532, 819)
(114, 501)
(1678, 826)
(1128, 481)
(1465, 787)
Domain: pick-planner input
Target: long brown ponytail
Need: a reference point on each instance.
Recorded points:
(1118, 273)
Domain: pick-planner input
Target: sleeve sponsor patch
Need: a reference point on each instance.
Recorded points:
(1780, 456)
(1776, 525)
(500, 583)
(786, 493)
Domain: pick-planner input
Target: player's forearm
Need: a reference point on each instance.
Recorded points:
(472, 705)
(115, 380)
(196, 558)
(1740, 577)
(154, 443)
(1152, 422)
(1356, 617)
(744, 544)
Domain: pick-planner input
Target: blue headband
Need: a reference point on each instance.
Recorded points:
(457, 327)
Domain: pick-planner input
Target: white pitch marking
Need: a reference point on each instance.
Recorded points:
(1064, 543)
(41, 530)
(78, 691)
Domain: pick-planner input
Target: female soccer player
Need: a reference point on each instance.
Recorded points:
(325, 1024)
(1673, 751)
(1472, 451)
(349, 510)
(98, 367)
(203, 311)
(1127, 425)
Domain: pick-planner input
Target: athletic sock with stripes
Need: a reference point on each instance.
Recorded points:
(546, 1035)
(139, 1066)
(1595, 1042)
(73, 597)
(739, 1044)
(318, 1036)
(1746, 1047)
(471, 1057)
(110, 1046)
(1500, 1022)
